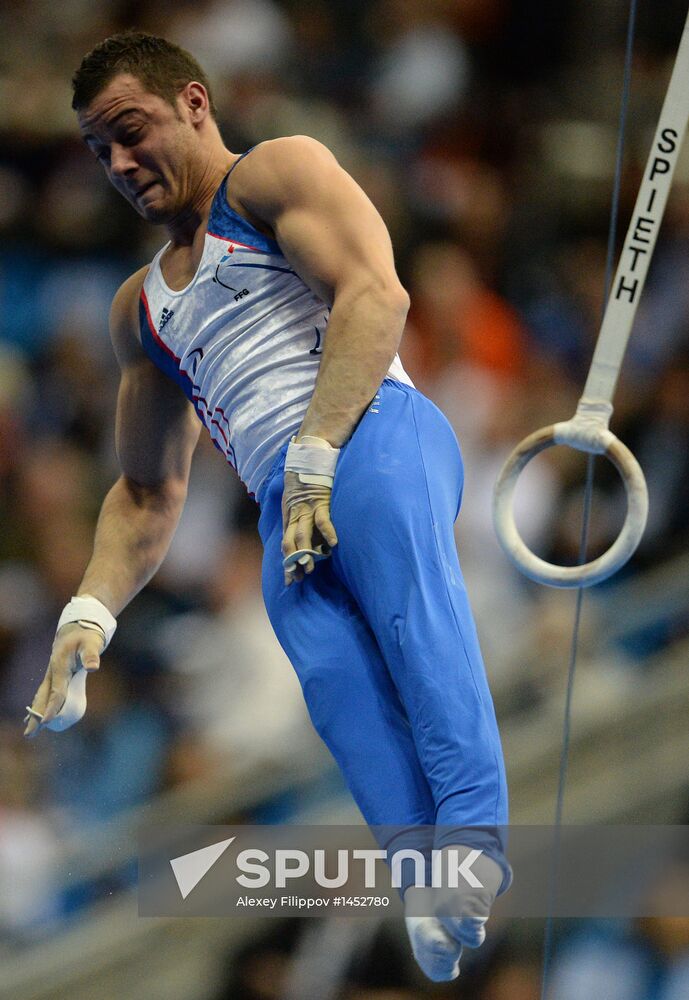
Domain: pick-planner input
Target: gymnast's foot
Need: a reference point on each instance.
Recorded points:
(463, 912)
(440, 922)
(436, 953)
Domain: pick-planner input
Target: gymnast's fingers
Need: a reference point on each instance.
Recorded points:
(37, 706)
(60, 676)
(89, 649)
(295, 531)
(303, 538)
(324, 524)
(63, 663)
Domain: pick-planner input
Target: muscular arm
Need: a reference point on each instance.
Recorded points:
(337, 242)
(156, 432)
(156, 435)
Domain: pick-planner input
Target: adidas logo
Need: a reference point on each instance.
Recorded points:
(164, 317)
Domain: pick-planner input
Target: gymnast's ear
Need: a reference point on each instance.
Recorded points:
(194, 97)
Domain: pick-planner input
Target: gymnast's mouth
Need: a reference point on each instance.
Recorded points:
(144, 189)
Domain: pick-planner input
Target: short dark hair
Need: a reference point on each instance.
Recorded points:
(163, 67)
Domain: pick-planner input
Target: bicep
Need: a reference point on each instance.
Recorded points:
(156, 429)
(156, 426)
(325, 224)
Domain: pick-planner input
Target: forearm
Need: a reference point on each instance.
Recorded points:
(363, 335)
(134, 531)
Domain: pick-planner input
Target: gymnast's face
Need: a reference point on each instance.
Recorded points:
(148, 149)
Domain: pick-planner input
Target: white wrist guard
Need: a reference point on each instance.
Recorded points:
(313, 459)
(89, 612)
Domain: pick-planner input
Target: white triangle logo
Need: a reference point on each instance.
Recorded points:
(189, 869)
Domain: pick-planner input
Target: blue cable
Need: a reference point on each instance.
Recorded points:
(588, 493)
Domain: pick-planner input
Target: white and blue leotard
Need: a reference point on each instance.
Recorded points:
(243, 340)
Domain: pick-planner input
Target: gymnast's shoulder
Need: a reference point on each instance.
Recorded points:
(124, 315)
(279, 170)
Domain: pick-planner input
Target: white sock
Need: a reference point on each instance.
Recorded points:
(441, 921)
(464, 911)
(436, 952)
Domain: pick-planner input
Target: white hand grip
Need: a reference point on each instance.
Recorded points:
(602, 441)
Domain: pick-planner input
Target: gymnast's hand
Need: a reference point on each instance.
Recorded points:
(76, 652)
(307, 531)
(308, 534)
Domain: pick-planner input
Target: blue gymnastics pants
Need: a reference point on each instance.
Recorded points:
(381, 634)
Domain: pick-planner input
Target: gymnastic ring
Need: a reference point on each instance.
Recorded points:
(587, 574)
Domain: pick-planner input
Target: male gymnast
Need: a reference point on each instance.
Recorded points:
(273, 313)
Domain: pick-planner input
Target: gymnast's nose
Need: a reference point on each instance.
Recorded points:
(122, 162)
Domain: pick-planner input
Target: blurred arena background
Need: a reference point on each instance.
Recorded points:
(485, 133)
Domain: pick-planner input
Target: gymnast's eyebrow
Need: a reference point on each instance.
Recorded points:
(86, 136)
